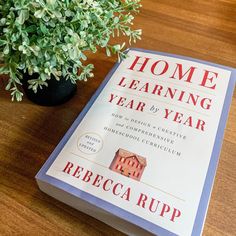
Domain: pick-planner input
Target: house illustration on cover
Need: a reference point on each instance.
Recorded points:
(128, 164)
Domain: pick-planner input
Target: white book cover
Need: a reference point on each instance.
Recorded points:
(145, 148)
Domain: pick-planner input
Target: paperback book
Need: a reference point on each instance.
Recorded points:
(143, 153)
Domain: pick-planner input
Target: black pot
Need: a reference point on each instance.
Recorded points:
(56, 93)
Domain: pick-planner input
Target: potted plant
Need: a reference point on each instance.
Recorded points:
(44, 42)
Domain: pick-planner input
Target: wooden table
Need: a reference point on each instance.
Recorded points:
(29, 133)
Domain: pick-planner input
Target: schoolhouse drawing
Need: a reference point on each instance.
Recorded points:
(128, 164)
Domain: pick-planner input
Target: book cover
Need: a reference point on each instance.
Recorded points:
(145, 148)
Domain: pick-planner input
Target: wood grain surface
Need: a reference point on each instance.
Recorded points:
(28, 133)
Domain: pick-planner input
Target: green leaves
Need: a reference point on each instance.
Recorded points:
(23, 16)
(36, 84)
(52, 38)
(39, 13)
(16, 94)
(51, 2)
(6, 49)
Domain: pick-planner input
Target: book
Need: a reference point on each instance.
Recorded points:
(143, 153)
